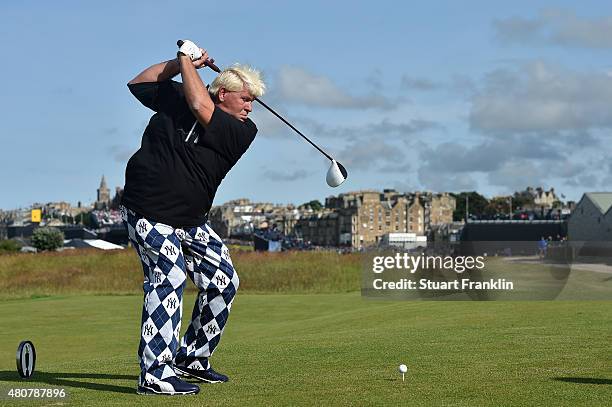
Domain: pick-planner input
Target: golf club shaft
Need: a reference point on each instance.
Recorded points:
(294, 129)
(216, 69)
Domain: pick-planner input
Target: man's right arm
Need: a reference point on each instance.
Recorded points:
(158, 72)
(196, 94)
(154, 88)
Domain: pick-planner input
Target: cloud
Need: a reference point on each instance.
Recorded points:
(511, 162)
(120, 154)
(517, 173)
(283, 176)
(517, 30)
(419, 84)
(270, 126)
(538, 97)
(399, 168)
(300, 86)
(456, 85)
(463, 85)
(578, 139)
(384, 129)
(556, 27)
(514, 175)
(374, 80)
(437, 181)
(404, 186)
(583, 181)
(605, 170)
(368, 154)
(489, 155)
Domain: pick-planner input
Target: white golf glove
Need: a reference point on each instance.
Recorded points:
(191, 50)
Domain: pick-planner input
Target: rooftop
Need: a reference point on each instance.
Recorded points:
(603, 200)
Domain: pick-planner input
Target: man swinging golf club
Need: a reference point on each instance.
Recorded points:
(194, 138)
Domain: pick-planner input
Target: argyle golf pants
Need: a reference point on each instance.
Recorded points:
(167, 254)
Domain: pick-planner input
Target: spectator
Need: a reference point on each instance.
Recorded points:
(542, 246)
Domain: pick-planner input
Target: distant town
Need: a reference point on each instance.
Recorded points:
(350, 221)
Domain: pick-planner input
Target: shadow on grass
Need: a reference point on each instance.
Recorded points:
(583, 380)
(66, 380)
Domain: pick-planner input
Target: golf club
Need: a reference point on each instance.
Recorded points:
(336, 174)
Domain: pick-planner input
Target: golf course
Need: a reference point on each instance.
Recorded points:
(300, 333)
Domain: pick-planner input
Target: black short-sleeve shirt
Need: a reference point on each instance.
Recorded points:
(173, 180)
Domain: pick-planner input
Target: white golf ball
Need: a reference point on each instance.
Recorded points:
(403, 368)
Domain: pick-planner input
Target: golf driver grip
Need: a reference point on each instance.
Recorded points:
(207, 63)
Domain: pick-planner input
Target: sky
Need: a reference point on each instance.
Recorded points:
(441, 96)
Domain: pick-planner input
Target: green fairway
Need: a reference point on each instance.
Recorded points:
(329, 349)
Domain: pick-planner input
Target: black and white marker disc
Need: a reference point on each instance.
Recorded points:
(26, 359)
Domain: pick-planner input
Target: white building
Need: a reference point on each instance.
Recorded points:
(404, 240)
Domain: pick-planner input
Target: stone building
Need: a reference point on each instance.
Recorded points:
(442, 207)
(240, 217)
(542, 198)
(415, 222)
(61, 207)
(116, 201)
(356, 219)
(320, 228)
(232, 215)
(286, 217)
(362, 218)
(103, 200)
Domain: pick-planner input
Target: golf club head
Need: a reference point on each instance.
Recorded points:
(336, 174)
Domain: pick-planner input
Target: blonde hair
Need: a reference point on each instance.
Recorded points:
(236, 77)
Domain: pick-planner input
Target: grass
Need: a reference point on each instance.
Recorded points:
(115, 272)
(331, 349)
(300, 334)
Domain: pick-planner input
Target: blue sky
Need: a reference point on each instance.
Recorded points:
(443, 96)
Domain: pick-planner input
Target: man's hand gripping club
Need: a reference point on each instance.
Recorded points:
(191, 56)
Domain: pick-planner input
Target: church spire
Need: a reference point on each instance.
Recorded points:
(103, 201)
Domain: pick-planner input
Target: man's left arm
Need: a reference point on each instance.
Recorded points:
(158, 72)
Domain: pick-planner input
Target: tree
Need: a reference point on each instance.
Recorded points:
(498, 207)
(47, 238)
(476, 205)
(315, 205)
(523, 199)
(86, 219)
